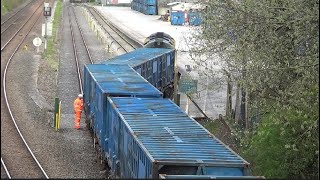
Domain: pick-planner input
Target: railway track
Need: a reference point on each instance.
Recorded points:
(4, 171)
(11, 28)
(126, 44)
(79, 47)
(79, 44)
(15, 13)
(17, 158)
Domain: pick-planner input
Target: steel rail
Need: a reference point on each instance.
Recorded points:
(5, 168)
(134, 44)
(5, 29)
(116, 30)
(117, 37)
(16, 13)
(7, 101)
(75, 52)
(14, 35)
(85, 44)
(106, 31)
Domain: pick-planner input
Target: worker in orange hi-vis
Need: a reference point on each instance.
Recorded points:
(78, 106)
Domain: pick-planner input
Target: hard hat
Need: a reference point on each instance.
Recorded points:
(80, 95)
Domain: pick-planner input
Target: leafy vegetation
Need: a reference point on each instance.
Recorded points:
(268, 49)
(285, 146)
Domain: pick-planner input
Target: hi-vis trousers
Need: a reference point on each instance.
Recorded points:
(77, 119)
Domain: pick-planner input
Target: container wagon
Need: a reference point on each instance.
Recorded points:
(141, 135)
(101, 81)
(159, 40)
(156, 65)
(155, 62)
(154, 138)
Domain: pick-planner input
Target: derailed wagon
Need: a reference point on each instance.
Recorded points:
(141, 135)
(154, 138)
(156, 65)
(102, 81)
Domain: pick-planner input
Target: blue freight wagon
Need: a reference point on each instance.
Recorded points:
(156, 65)
(140, 7)
(150, 2)
(150, 10)
(101, 81)
(149, 137)
(133, 5)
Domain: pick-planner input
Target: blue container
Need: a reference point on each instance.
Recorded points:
(140, 7)
(163, 176)
(136, 6)
(101, 81)
(150, 2)
(150, 10)
(133, 5)
(152, 136)
(177, 17)
(156, 65)
(194, 18)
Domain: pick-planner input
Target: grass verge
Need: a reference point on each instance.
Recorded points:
(212, 126)
(51, 53)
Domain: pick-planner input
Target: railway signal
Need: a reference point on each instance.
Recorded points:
(46, 13)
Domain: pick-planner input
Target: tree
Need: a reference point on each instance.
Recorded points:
(270, 48)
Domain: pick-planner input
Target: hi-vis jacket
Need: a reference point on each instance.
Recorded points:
(78, 105)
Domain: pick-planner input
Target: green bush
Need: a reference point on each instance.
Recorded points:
(285, 146)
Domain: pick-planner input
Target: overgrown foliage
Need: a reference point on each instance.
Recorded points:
(284, 146)
(270, 48)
